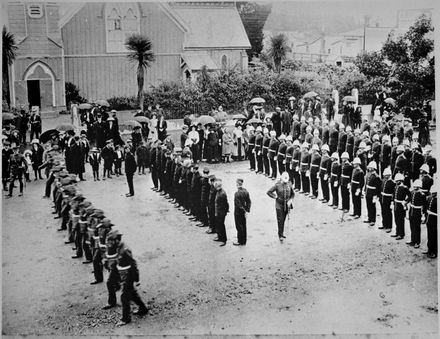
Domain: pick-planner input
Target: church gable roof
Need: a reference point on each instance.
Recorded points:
(212, 25)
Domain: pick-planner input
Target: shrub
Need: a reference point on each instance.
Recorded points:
(123, 103)
(72, 94)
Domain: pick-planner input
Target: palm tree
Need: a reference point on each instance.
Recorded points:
(140, 53)
(278, 48)
(9, 54)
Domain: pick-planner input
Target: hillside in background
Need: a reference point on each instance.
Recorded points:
(335, 17)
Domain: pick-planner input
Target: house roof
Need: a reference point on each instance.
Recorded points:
(212, 26)
(195, 60)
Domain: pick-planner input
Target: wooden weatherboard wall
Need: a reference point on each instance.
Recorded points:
(101, 75)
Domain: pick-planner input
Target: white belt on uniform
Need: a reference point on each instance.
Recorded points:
(416, 207)
(355, 182)
(387, 194)
(123, 268)
(313, 165)
(431, 213)
(400, 201)
(345, 176)
(371, 187)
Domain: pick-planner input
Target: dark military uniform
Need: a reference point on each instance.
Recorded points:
(296, 130)
(204, 200)
(295, 168)
(273, 149)
(129, 274)
(324, 173)
(258, 152)
(393, 159)
(416, 207)
(402, 166)
(335, 182)
(242, 205)
(6, 155)
(431, 224)
(387, 194)
(211, 209)
(349, 146)
(347, 171)
(304, 167)
(372, 190)
(357, 184)
(432, 163)
(342, 142)
(384, 157)
(417, 161)
(357, 141)
(427, 183)
(250, 151)
(281, 157)
(221, 208)
(153, 167)
(314, 171)
(401, 197)
(333, 140)
(17, 167)
(196, 192)
(325, 135)
(282, 193)
(289, 160)
(265, 153)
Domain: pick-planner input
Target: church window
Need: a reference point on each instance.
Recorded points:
(122, 20)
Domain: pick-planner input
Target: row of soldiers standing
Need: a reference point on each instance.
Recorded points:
(94, 238)
(347, 163)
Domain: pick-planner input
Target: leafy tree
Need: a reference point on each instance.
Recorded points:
(254, 15)
(372, 64)
(72, 94)
(411, 55)
(277, 50)
(140, 52)
(9, 54)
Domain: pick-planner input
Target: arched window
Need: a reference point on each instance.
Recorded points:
(224, 62)
(122, 20)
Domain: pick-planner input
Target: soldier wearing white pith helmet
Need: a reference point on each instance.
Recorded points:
(324, 173)
(316, 140)
(265, 152)
(356, 185)
(416, 207)
(295, 165)
(346, 173)
(362, 155)
(430, 160)
(402, 164)
(386, 198)
(431, 223)
(374, 154)
(289, 157)
(251, 147)
(303, 126)
(372, 192)
(342, 139)
(357, 141)
(335, 180)
(325, 133)
(259, 149)
(281, 154)
(273, 150)
(417, 160)
(296, 128)
(304, 168)
(394, 154)
(385, 153)
(427, 181)
(401, 198)
(314, 170)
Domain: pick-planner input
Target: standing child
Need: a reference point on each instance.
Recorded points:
(95, 160)
(119, 156)
(141, 154)
(27, 156)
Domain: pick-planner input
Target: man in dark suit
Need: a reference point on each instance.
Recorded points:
(242, 203)
(35, 122)
(130, 169)
(221, 209)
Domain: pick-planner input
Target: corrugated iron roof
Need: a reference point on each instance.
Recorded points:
(196, 60)
(213, 27)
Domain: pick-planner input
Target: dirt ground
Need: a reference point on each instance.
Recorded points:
(328, 277)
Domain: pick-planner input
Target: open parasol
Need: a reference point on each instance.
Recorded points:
(85, 106)
(238, 116)
(205, 119)
(141, 119)
(257, 101)
(47, 135)
(310, 95)
(65, 127)
(390, 101)
(102, 103)
(349, 98)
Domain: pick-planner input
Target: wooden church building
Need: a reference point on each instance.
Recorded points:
(83, 43)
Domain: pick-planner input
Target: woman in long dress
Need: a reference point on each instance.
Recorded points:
(152, 127)
(237, 136)
(227, 145)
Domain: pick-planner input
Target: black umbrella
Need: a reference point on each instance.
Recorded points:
(47, 135)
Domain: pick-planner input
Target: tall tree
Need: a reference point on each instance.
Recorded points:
(254, 16)
(412, 62)
(140, 53)
(277, 50)
(9, 55)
